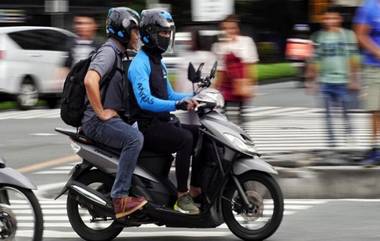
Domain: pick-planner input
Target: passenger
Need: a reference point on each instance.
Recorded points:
(101, 121)
(153, 100)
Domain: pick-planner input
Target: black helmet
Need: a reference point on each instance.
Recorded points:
(152, 22)
(120, 22)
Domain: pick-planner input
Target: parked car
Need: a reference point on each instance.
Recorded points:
(30, 58)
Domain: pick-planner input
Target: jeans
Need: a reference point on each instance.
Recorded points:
(166, 137)
(335, 93)
(117, 134)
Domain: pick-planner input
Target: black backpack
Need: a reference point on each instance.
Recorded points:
(73, 102)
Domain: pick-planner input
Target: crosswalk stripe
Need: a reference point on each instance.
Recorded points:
(52, 172)
(128, 234)
(273, 111)
(56, 222)
(63, 168)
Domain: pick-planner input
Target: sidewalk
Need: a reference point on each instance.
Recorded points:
(325, 174)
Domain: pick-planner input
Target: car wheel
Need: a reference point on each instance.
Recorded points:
(28, 94)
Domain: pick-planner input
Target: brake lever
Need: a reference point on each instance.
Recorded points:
(199, 105)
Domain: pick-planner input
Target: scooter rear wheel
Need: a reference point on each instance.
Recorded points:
(98, 231)
(264, 217)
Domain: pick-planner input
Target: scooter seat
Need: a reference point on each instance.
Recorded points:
(75, 135)
(147, 159)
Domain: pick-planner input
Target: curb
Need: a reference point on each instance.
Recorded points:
(330, 182)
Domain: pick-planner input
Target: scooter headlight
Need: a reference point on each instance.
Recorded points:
(239, 144)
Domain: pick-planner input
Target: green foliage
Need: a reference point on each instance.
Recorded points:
(275, 71)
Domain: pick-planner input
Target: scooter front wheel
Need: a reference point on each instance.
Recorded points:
(82, 219)
(20, 214)
(263, 217)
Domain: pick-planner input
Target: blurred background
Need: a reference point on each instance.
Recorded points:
(271, 23)
(39, 43)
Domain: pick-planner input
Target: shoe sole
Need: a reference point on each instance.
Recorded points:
(121, 215)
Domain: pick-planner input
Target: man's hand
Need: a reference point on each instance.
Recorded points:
(107, 114)
(194, 104)
(186, 104)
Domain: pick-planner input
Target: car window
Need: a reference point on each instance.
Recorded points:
(55, 40)
(41, 39)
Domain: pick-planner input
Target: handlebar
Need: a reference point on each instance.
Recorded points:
(204, 83)
(204, 105)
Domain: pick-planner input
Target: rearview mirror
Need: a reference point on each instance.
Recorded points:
(191, 74)
(194, 76)
(199, 70)
(213, 70)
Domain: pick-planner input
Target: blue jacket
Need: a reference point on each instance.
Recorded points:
(153, 93)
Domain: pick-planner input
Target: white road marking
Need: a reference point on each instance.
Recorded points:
(42, 134)
(128, 234)
(52, 172)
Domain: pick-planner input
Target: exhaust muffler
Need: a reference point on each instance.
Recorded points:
(88, 196)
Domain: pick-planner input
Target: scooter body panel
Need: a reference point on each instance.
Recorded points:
(249, 164)
(10, 176)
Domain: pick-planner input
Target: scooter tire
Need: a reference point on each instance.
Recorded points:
(39, 220)
(86, 233)
(254, 235)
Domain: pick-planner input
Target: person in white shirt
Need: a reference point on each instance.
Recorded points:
(197, 55)
(237, 57)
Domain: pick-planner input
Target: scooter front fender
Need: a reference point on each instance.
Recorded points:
(248, 164)
(12, 177)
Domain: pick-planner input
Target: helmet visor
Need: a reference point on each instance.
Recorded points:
(171, 39)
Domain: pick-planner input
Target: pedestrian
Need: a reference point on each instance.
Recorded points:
(197, 55)
(84, 44)
(335, 64)
(238, 55)
(367, 27)
(102, 121)
(81, 46)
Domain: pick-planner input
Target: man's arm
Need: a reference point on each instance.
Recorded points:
(311, 75)
(100, 66)
(138, 75)
(362, 33)
(354, 62)
(173, 95)
(91, 82)
(312, 64)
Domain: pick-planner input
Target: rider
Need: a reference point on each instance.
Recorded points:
(153, 100)
(101, 121)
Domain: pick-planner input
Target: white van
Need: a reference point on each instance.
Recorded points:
(30, 60)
